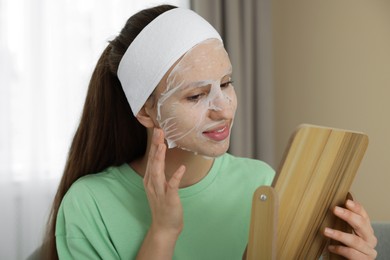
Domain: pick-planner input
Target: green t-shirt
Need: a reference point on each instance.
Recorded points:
(107, 215)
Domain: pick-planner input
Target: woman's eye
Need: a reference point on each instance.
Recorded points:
(195, 97)
(226, 84)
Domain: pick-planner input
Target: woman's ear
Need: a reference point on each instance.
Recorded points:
(145, 117)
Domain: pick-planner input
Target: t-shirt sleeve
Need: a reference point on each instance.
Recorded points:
(270, 174)
(75, 248)
(265, 173)
(80, 229)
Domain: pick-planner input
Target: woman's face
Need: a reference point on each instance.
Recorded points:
(196, 101)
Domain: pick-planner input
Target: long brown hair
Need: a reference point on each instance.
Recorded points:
(108, 133)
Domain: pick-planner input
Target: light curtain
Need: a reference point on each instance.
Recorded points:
(245, 27)
(48, 50)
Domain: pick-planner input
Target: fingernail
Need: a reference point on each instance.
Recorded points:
(339, 210)
(328, 231)
(181, 173)
(331, 248)
(350, 203)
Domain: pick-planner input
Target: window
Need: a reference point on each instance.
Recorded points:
(48, 50)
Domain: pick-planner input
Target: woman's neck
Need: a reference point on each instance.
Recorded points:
(197, 166)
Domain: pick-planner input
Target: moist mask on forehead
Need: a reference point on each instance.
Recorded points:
(193, 90)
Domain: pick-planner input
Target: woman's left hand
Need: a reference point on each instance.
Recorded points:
(361, 243)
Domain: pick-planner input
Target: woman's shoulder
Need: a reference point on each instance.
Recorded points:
(95, 183)
(99, 178)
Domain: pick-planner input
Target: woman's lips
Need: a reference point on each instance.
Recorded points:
(218, 134)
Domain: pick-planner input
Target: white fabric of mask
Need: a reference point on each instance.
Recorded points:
(186, 79)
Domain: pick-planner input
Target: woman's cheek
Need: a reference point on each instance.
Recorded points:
(231, 96)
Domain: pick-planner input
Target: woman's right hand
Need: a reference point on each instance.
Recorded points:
(164, 202)
(163, 196)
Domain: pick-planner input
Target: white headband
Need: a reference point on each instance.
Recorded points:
(159, 45)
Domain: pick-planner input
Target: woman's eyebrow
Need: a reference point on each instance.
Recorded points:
(229, 71)
(229, 75)
(200, 83)
(205, 83)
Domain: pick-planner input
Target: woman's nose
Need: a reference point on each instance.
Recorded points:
(221, 107)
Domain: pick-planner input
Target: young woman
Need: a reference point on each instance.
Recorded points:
(148, 176)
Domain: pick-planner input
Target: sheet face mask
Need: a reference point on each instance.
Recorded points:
(197, 108)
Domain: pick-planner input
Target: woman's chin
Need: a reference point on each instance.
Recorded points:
(206, 149)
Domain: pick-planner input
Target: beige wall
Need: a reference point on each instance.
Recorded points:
(332, 67)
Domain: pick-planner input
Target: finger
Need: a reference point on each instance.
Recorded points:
(350, 253)
(152, 153)
(172, 197)
(158, 137)
(174, 182)
(350, 240)
(360, 224)
(355, 207)
(157, 173)
(362, 230)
